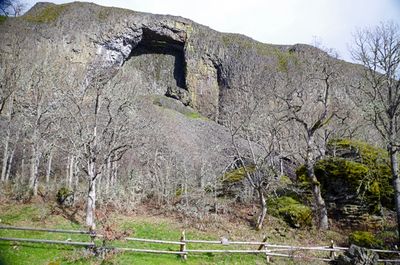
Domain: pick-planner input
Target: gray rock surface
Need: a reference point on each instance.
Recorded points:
(357, 256)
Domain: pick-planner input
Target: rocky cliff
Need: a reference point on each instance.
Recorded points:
(188, 77)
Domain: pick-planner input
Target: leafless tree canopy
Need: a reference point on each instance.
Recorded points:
(378, 49)
(12, 8)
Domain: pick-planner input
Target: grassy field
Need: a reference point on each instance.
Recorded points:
(143, 226)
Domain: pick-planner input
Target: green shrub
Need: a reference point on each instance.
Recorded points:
(64, 195)
(365, 239)
(285, 60)
(291, 211)
(285, 180)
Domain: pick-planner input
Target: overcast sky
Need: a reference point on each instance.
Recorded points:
(276, 21)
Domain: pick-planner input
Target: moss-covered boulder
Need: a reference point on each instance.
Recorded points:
(233, 181)
(345, 181)
(237, 174)
(368, 171)
(355, 180)
(293, 212)
(65, 197)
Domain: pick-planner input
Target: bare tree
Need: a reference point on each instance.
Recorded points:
(259, 162)
(378, 49)
(9, 143)
(9, 94)
(41, 119)
(309, 99)
(255, 137)
(98, 118)
(12, 8)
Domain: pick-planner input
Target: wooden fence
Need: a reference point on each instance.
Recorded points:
(262, 247)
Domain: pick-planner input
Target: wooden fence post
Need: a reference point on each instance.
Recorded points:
(183, 246)
(263, 246)
(332, 254)
(92, 233)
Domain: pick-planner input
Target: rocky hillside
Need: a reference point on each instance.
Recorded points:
(186, 77)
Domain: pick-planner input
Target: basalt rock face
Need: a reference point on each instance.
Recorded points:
(158, 52)
(159, 57)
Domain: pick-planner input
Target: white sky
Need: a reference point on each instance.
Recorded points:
(276, 21)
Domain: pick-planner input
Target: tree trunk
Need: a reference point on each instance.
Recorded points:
(32, 170)
(263, 209)
(22, 173)
(394, 166)
(91, 197)
(48, 171)
(92, 171)
(100, 186)
(67, 171)
(9, 163)
(322, 213)
(114, 173)
(7, 140)
(34, 181)
(5, 157)
(35, 159)
(91, 203)
(71, 171)
(76, 175)
(320, 204)
(108, 175)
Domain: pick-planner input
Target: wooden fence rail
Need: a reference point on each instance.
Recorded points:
(263, 247)
(46, 230)
(32, 240)
(154, 241)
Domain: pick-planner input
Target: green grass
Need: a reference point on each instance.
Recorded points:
(2, 19)
(247, 43)
(39, 216)
(142, 226)
(172, 105)
(163, 229)
(103, 14)
(34, 216)
(48, 14)
(194, 115)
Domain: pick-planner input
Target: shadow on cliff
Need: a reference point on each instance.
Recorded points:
(153, 43)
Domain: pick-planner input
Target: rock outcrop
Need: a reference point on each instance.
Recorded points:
(356, 182)
(357, 256)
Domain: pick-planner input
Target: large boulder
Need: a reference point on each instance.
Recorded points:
(356, 182)
(356, 255)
